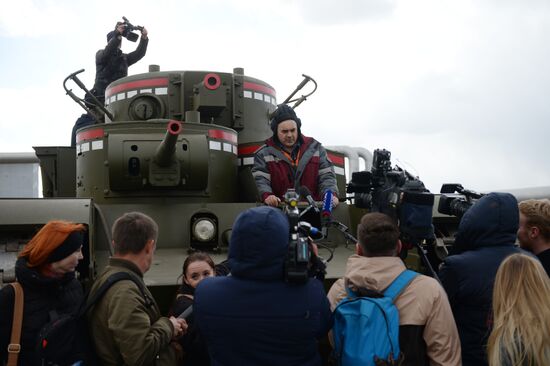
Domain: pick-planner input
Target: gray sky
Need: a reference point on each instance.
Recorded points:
(456, 90)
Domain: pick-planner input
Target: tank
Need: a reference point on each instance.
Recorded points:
(179, 147)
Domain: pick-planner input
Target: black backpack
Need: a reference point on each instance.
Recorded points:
(65, 339)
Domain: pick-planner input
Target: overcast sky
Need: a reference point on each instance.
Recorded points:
(457, 90)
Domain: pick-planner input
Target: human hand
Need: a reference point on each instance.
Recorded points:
(180, 326)
(313, 247)
(144, 33)
(335, 201)
(272, 200)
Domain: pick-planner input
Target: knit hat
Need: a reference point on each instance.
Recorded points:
(283, 113)
(67, 247)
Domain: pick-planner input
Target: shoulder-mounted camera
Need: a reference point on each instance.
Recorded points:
(396, 193)
(129, 29)
(455, 200)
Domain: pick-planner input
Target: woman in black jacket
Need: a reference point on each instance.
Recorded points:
(196, 267)
(46, 271)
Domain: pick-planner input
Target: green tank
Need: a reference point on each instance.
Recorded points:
(178, 146)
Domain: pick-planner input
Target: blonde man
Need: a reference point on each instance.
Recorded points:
(534, 229)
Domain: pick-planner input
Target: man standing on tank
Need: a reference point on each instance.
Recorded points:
(291, 160)
(112, 64)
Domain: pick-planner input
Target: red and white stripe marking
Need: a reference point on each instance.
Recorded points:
(338, 162)
(219, 140)
(157, 86)
(259, 92)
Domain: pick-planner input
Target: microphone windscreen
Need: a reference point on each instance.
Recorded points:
(327, 204)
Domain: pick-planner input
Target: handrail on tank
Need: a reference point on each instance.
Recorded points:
(167, 147)
(366, 155)
(81, 102)
(301, 99)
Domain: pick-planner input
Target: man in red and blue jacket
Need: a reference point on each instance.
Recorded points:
(291, 160)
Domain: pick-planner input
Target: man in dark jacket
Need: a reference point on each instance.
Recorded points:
(253, 317)
(291, 160)
(112, 64)
(486, 236)
(534, 229)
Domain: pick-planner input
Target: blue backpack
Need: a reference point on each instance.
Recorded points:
(366, 326)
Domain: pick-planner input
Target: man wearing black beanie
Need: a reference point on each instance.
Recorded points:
(112, 64)
(291, 160)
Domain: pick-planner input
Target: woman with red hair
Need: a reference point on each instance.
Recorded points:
(46, 271)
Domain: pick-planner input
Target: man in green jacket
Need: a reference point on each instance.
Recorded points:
(125, 325)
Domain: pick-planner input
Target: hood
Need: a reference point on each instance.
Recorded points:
(374, 273)
(491, 221)
(259, 244)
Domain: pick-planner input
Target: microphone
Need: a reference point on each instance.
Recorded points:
(303, 191)
(186, 312)
(327, 207)
(310, 230)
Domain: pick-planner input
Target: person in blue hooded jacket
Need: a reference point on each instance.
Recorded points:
(254, 317)
(486, 236)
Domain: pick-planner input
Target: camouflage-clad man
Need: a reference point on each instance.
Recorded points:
(291, 160)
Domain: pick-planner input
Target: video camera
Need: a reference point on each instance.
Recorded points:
(397, 193)
(129, 28)
(456, 204)
(296, 264)
(300, 263)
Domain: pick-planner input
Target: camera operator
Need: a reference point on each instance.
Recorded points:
(111, 63)
(253, 316)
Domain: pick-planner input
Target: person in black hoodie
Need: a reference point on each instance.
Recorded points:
(254, 317)
(196, 267)
(112, 64)
(46, 271)
(486, 236)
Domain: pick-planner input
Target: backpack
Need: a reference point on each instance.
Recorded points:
(65, 339)
(366, 325)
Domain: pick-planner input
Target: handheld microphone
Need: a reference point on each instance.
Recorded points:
(309, 230)
(327, 207)
(186, 312)
(303, 191)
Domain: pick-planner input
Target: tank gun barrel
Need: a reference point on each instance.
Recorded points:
(167, 147)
